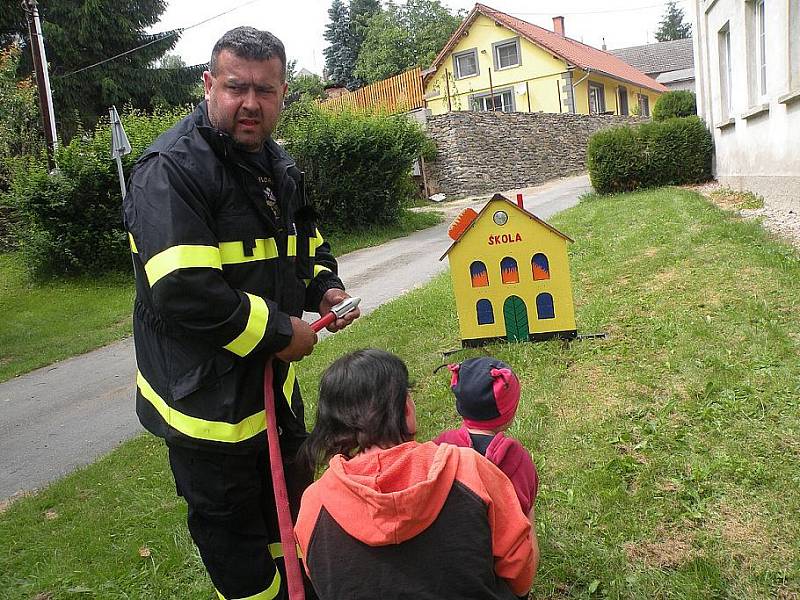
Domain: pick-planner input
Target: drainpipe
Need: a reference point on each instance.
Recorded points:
(447, 83)
(588, 72)
(491, 91)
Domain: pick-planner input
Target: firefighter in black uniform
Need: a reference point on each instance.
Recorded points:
(227, 256)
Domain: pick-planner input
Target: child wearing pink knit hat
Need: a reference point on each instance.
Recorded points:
(487, 395)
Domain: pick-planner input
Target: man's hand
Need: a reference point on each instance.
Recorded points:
(331, 299)
(302, 343)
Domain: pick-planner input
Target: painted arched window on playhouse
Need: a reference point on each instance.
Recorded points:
(479, 275)
(485, 312)
(544, 307)
(509, 271)
(540, 267)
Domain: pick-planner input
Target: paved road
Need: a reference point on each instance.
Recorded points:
(70, 413)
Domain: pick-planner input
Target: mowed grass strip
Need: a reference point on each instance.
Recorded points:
(44, 322)
(668, 452)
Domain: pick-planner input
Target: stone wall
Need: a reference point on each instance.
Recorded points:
(482, 153)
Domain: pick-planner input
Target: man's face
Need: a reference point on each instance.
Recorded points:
(245, 98)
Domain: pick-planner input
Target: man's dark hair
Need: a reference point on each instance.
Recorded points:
(249, 43)
(362, 402)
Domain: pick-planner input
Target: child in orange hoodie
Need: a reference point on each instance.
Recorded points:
(393, 518)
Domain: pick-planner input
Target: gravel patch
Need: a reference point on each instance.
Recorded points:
(781, 221)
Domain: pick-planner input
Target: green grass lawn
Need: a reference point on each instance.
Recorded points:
(668, 452)
(46, 322)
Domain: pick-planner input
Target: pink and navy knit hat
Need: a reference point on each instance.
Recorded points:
(486, 391)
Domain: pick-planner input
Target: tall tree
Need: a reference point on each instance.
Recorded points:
(339, 58)
(20, 129)
(80, 34)
(12, 24)
(672, 26)
(404, 36)
(361, 11)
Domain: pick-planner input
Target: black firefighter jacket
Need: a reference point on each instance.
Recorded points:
(216, 281)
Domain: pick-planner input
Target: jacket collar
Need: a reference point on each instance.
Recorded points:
(224, 146)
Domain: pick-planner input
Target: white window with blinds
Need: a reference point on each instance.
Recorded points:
(465, 64)
(506, 54)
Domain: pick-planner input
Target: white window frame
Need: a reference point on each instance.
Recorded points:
(456, 65)
(601, 98)
(755, 28)
(478, 101)
(761, 42)
(496, 46)
(794, 45)
(725, 71)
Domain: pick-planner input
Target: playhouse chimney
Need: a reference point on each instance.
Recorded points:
(520, 202)
(558, 25)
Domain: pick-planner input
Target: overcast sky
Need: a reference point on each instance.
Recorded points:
(301, 23)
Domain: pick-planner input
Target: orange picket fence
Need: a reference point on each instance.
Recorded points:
(400, 93)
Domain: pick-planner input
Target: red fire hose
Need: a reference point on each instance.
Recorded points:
(294, 576)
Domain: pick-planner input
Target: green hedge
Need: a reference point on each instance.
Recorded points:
(70, 221)
(680, 103)
(671, 152)
(357, 166)
(357, 173)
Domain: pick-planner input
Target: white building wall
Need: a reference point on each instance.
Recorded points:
(757, 144)
(686, 84)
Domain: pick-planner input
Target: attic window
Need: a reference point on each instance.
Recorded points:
(506, 54)
(465, 64)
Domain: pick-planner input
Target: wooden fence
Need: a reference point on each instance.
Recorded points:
(400, 93)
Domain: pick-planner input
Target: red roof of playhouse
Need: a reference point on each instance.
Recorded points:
(510, 203)
(574, 52)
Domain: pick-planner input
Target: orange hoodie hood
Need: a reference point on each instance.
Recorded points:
(397, 492)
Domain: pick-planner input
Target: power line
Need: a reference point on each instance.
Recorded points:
(592, 12)
(163, 36)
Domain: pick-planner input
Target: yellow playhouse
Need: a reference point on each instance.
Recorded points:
(510, 274)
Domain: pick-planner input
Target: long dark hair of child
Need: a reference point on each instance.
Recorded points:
(362, 400)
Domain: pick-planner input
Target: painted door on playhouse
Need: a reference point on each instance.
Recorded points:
(515, 314)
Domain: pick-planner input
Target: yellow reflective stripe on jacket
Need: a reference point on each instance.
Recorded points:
(319, 269)
(132, 243)
(315, 242)
(268, 594)
(228, 253)
(276, 550)
(181, 257)
(254, 330)
(232, 253)
(288, 385)
(215, 431)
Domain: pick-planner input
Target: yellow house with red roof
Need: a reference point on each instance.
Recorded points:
(510, 273)
(495, 61)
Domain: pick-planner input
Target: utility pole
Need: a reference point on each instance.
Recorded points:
(42, 77)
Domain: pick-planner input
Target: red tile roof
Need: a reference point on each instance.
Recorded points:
(574, 52)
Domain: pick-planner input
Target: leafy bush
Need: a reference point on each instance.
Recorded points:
(20, 137)
(669, 152)
(357, 166)
(70, 220)
(357, 173)
(680, 103)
